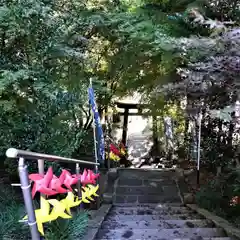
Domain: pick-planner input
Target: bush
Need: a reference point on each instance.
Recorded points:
(10, 228)
(68, 229)
(10, 212)
(218, 194)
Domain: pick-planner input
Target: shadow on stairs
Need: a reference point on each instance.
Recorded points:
(147, 205)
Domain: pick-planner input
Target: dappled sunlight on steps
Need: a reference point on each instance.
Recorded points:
(147, 205)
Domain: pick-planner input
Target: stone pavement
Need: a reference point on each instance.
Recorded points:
(147, 205)
(138, 149)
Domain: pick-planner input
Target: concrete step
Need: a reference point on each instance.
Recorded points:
(150, 198)
(157, 234)
(149, 210)
(124, 218)
(156, 224)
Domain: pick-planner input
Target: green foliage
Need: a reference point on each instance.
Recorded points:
(217, 195)
(43, 93)
(49, 50)
(166, 50)
(11, 210)
(69, 229)
(10, 228)
(206, 75)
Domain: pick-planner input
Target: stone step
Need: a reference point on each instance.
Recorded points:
(149, 210)
(143, 190)
(156, 234)
(150, 198)
(124, 218)
(130, 182)
(146, 174)
(156, 224)
(197, 238)
(192, 238)
(150, 205)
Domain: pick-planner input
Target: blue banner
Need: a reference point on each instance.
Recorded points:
(99, 131)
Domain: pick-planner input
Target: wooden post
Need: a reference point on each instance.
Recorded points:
(125, 126)
(155, 135)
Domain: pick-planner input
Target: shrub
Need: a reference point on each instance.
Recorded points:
(68, 229)
(10, 212)
(218, 195)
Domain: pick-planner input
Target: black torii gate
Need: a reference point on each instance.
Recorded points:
(126, 113)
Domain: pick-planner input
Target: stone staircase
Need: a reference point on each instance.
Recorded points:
(147, 205)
